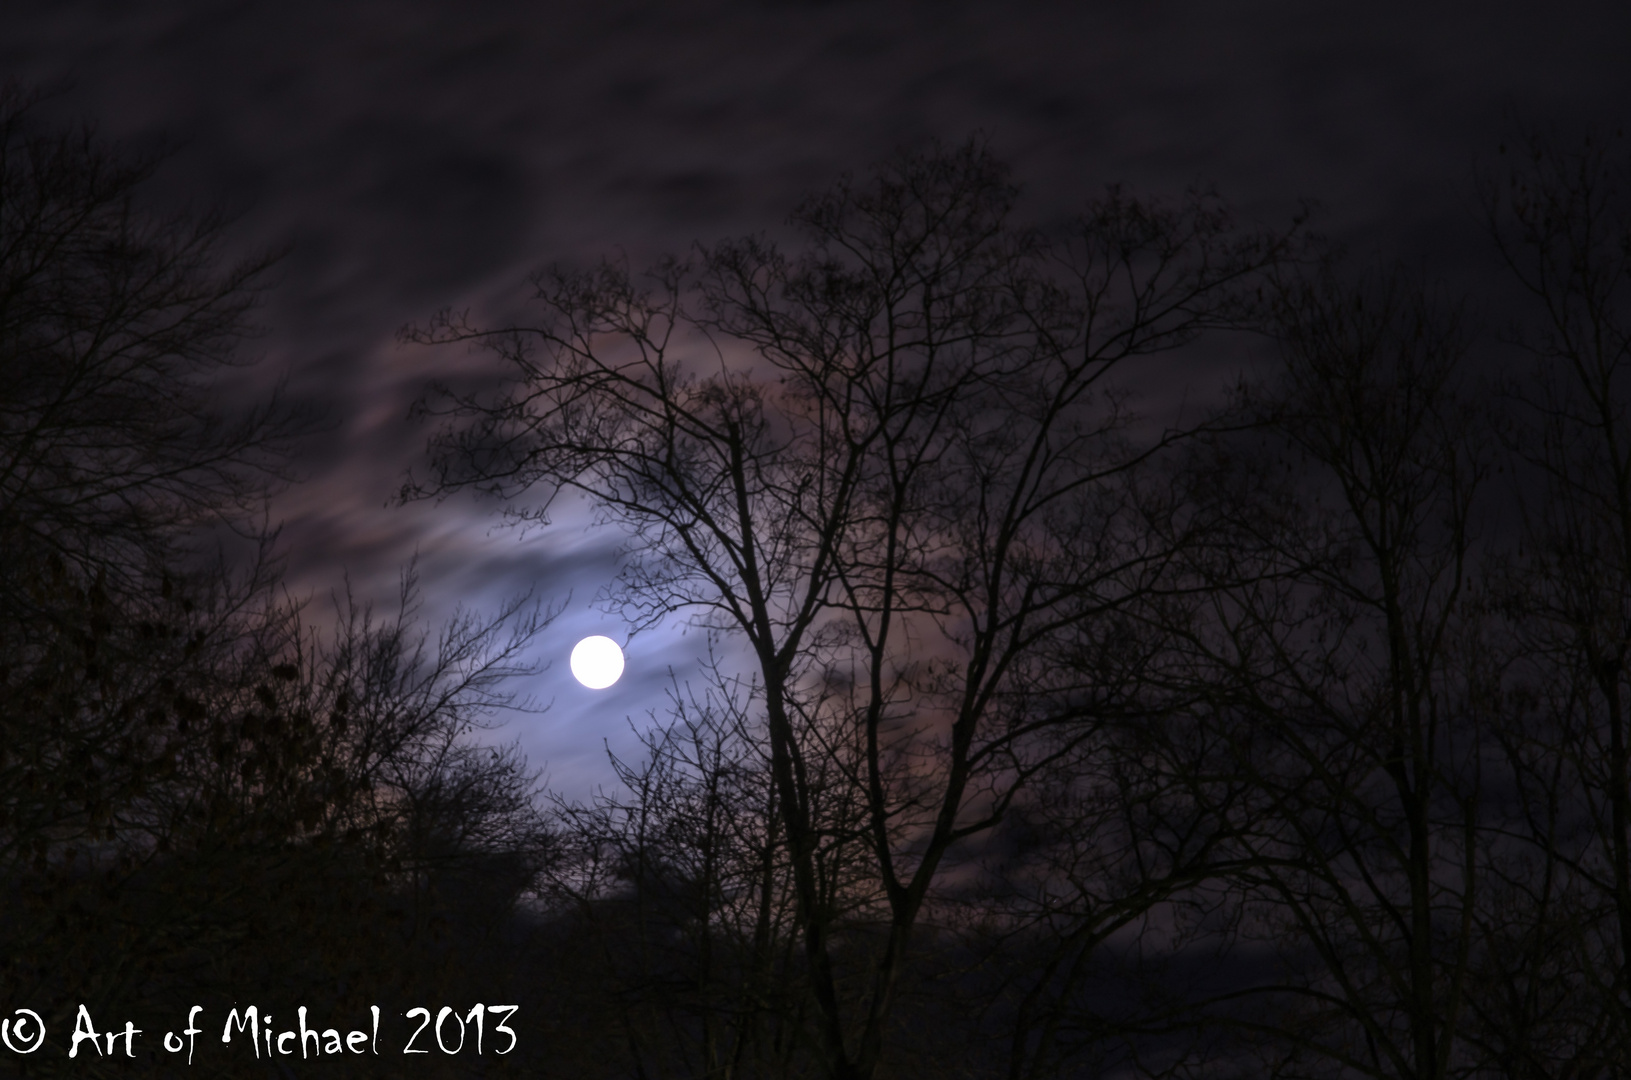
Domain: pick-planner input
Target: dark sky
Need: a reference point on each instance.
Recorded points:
(415, 155)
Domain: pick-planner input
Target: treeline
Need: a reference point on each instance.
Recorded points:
(1044, 738)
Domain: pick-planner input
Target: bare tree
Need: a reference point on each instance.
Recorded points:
(1340, 635)
(1101, 907)
(116, 326)
(1561, 219)
(891, 467)
(278, 805)
(195, 784)
(113, 323)
(684, 888)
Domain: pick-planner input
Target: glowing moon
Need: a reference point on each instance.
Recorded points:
(597, 662)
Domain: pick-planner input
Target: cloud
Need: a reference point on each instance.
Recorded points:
(416, 154)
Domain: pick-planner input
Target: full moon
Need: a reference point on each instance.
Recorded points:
(597, 662)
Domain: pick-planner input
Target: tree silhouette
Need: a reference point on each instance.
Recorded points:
(1561, 221)
(116, 327)
(893, 468)
(685, 892)
(201, 791)
(1342, 652)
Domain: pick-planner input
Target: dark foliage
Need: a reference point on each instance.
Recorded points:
(205, 798)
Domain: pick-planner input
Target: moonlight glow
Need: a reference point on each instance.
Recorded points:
(597, 662)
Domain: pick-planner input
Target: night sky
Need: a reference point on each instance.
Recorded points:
(416, 155)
